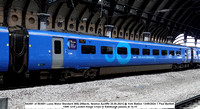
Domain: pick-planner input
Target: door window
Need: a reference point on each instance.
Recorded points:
(57, 47)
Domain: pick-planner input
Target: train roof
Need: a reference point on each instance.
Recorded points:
(3, 29)
(92, 37)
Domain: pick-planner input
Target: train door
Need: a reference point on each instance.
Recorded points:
(192, 56)
(57, 53)
(186, 55)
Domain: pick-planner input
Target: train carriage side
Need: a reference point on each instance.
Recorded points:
(188, 54)
(55, 50)
(81, 51)
(4, 49)
(105, 52)
(198, 55)
(40, 50)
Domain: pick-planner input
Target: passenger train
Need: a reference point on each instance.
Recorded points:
(69, 54)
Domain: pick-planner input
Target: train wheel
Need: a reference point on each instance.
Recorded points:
(65, 75)
(91, 74)
(179, 67)
(182, 66)
(86, 74)
(173, 67)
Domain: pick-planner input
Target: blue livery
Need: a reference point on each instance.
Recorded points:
(35, 50)
(40, 51)
(4, 49)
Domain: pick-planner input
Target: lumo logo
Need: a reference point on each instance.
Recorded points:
(117, 56)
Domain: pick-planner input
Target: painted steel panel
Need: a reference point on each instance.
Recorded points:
(4, 49)
(189, 55)
(40, 52)
(195, 57)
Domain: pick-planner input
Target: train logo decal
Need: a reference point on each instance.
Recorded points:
(72, 44)
(110, 59)
(119, 57)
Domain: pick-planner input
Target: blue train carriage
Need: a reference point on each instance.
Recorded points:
(91, 55)
(4, 49)
(195, 56)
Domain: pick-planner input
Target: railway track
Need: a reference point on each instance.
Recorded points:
(191, 103)
(47, 80)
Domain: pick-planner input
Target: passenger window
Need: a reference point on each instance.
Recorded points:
(122, 50)
(164, 52)
(155, 52)
(171, 53)
(57, 47)
(106, 50)
(135, 51)
(88, 49)
(178, 53)
(146, 52)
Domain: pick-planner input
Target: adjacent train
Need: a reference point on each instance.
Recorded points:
(69, 54)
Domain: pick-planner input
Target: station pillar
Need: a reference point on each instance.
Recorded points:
(195, 41)
(43, 20)
(146, 36)
(185, 39)
(108, 30)
(169, 39)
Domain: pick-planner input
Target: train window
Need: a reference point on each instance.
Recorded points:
(57, 47)
(135, 51)
(106, 50)
(178, 53)
(171, 53)
(146, 52)
(88, 49)
(155, 52)
(122, 50)
(164, 52)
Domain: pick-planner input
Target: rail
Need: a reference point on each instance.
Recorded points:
(188, 103)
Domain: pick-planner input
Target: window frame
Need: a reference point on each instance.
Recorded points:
(106, 52)
(122, 51)
(57, 47)
(178, 52)
(147, 50)
(164, 52)
(171, 51)
(135, 53)
(156, 50)
(90, 47)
